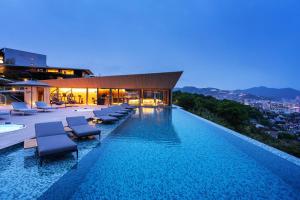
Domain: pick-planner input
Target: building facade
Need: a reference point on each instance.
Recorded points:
(16, 65)
(19, 65)
(153, 89)
(74, 86)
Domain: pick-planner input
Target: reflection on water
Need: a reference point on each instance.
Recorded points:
(149, 124)
(170, 155)
(22, 177)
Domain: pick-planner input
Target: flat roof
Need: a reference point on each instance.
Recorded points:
(46, 67)
(163, 80)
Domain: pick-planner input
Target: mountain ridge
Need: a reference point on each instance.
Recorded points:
(260, 92)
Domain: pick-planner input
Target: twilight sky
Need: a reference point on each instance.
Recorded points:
(228, 44)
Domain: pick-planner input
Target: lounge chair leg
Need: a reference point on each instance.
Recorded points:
(41, 161)
(77, 154)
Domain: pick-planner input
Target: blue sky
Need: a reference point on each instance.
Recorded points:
(228, 44)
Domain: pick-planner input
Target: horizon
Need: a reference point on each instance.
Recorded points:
(215, 44)
(261, 86)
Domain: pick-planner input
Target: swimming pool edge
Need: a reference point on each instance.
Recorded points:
(266, 147)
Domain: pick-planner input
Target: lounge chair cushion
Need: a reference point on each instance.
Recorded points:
(22, 107)
(42, 105)
(55, 144)
(85, 130)
(45, 107)
(108, 118)
(76, 121)
(116, 114)
(49, 129)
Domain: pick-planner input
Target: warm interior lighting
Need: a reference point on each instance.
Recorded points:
(79, 95)
(134, 102)
(52, 70)
(67, 71)
(148, 110)
(92, 96)
(151, 102)
(64, 90)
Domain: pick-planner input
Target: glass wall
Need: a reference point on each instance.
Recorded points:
(132, 97)
(103, 96)
(155, 97)
(92, 96)
(118, 96)
(79, 95)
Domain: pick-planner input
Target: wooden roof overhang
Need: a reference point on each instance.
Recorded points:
(165, 80)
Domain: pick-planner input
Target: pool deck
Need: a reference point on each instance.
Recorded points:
(11, 138)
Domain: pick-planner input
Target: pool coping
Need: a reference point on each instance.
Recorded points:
(266, 147)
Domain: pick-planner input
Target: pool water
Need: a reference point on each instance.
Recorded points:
(170, 154)
(21, 176)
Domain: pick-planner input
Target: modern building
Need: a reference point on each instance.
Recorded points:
(20, 65)
(16, 65)
(71, 86)
(151, 89)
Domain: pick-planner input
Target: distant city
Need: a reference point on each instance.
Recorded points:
(281, 107)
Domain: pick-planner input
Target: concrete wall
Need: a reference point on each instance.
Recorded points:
(27, 95)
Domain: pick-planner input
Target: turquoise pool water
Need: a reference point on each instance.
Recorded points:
(170, 154)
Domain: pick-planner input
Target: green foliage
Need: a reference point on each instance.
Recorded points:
(235, 116)
(286, 136)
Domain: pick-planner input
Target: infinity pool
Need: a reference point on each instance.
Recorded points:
(170, 154)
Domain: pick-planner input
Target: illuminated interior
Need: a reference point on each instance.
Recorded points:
(1, 59)
(67, 71)
(94, 96)
(103, 96)
(118, 96)
(79, 95)
(52, 70)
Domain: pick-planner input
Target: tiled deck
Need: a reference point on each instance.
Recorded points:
(11, 138)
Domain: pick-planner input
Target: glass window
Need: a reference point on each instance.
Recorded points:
(103, 96)
(52, 70)
(92, 96)
(79, 95)
(67, 72)
(132, 97)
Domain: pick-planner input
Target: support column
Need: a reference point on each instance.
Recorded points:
(87, 96)
(118, 95)
(97, 96)
(170, 97)
(110, 97)
(141, 96)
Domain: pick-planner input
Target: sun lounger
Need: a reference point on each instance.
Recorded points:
(52, 139)
(118, 109)
(43, 106)
(127, 106)
(81, 128)
(22, 108)
(4, 113)
(113, 113)
(104, 116)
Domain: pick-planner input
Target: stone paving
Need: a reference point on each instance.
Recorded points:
(11, 138)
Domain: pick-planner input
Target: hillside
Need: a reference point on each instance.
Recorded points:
(255, 93)
(236, 116)
(273, 93)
